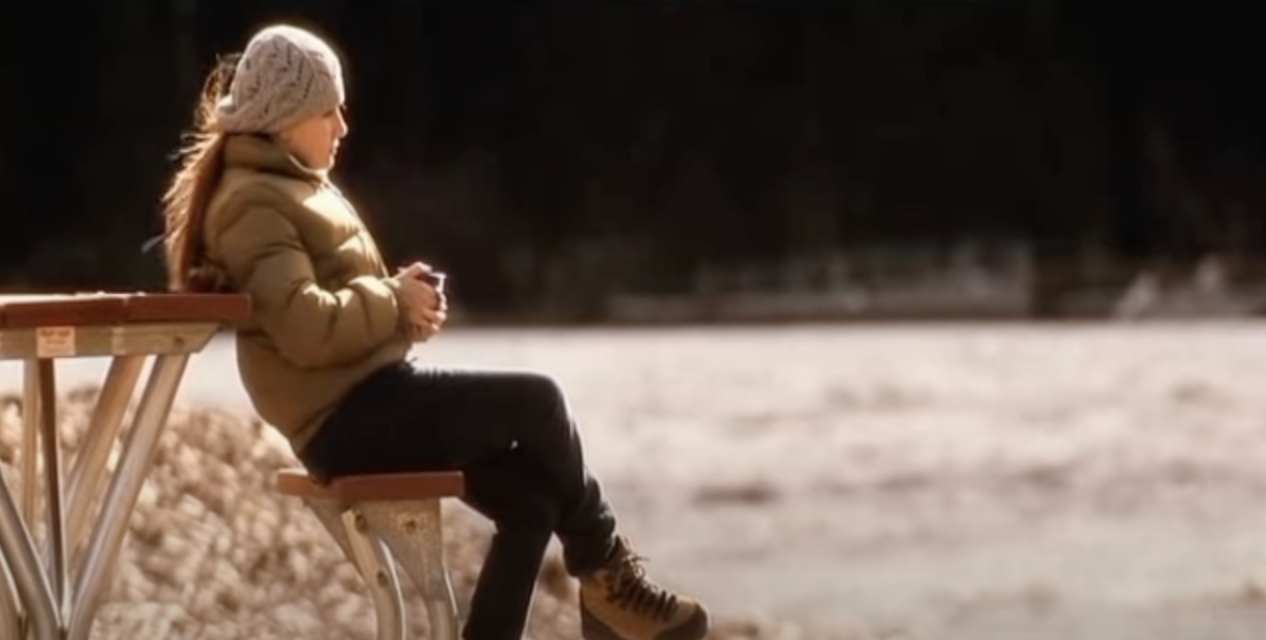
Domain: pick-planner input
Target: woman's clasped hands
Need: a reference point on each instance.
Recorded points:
(422, 299)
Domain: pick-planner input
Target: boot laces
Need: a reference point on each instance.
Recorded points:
(629, 588)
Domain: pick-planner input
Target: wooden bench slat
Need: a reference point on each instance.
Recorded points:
(62, 311)
(49, 310)
(370, 488)
(293, 482)
(226, 308)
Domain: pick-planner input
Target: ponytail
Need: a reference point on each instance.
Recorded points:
(201, 164)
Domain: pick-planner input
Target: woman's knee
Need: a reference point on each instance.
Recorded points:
(543, 394)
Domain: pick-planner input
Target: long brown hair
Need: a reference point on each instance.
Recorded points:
(201, 164)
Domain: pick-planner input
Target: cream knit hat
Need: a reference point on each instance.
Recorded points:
(285, 76)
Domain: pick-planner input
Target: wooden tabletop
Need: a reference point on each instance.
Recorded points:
(89, 309)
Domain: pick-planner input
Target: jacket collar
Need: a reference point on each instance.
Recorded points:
(260, 153)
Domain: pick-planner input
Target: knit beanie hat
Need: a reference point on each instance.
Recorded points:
(285, 76)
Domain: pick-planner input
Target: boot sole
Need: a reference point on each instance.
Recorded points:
(696, 628)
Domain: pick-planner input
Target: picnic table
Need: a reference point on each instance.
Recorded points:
(51, 591)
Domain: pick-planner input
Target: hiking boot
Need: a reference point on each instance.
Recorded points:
(618, 602)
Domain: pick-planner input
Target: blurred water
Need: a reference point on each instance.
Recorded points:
(947, 481)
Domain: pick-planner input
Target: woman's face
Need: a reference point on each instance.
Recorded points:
(315, 140)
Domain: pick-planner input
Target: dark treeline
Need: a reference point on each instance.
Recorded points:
(533, 149)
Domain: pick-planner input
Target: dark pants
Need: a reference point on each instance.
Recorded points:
(511, 434)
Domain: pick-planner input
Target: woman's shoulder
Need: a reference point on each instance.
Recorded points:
(261, 187)
(311, 210)
(240, 190)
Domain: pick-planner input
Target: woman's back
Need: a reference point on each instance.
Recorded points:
(282, 233)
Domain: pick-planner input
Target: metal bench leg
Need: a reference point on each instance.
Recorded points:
(41, 617)
(373, 561)
(414, 531)
(121, 491)
(10, 610)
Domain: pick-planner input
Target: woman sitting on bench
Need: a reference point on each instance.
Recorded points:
(252, 209)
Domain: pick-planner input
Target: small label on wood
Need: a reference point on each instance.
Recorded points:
(54, 342)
